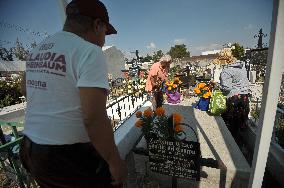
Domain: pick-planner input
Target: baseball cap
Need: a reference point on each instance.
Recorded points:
(93, 9)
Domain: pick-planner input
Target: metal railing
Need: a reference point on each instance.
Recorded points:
(124, 107)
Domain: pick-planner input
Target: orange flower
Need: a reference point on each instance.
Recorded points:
(207, 95)
(148, 113)
(160, 111)
(138, 114)
(178, 128)
(174, 86)
(197, 90)
(138, 123)
(177, 118)
(201, 85)
(168, 83)
(206, 88)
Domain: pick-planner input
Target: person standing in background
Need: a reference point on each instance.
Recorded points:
(234, 83)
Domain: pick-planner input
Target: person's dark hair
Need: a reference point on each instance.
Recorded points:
(78, 24)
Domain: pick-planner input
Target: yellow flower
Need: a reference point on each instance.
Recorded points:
(168, 83)
(177, 118)
(197, 90)
(201, 85)
(178, 128)
(160, 111)
(148, 113)
(169, 88)
(206, 88)
(207, 95)
(139, 123)
(139, 114)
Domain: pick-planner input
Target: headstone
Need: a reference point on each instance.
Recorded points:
(175, 158)
(252, 76)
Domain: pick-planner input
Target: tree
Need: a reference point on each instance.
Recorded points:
(157, 55)
(238, 51)
(179, 51)
(147, 58)
(6, 55)
(19, 51)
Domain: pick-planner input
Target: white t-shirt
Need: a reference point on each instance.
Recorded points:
(55, 70)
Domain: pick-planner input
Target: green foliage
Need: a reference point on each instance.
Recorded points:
(157, 55)
(19, 51)
(6, 55)
(173, 70)
(279, 131)
(179, 51)
(148, 58)
(239, 51)
(255, 113)
(10, 92)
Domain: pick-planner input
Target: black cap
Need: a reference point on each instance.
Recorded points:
(93, 9)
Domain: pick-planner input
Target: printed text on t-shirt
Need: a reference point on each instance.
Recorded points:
(48, 62)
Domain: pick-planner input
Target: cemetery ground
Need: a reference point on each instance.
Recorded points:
(137, 180)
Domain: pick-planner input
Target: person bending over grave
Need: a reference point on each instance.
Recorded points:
(156, 76)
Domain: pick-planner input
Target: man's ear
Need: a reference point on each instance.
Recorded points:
(98, 24)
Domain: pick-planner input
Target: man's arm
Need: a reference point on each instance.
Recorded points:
(99, 129)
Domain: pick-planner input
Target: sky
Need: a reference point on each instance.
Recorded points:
(148, 25)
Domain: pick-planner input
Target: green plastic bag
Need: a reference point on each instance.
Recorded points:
(217, 104)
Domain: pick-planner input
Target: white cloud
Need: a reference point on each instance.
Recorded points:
(179, 41)
(198, 49)
(152, 45)
(248, 27)
(208, 47)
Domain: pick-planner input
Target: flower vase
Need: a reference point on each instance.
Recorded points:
(202, 104)
(173, 98)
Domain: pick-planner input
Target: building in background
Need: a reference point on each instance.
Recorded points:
(115, 61)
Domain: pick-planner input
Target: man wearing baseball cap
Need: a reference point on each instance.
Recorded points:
(68, 139)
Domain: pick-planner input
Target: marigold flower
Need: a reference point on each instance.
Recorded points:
(138, 114)
(160, 111)
(139, 123)
(197, 90)
(201, 85)
(168, 83)
(207, 95)
(177, 118)
(148, 113)
(178, 128)
(206, 88)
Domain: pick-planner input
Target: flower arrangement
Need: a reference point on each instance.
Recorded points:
(172, 86)
(158, 123)
(204, 90)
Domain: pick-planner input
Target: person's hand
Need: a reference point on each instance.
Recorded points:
(118, 171)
